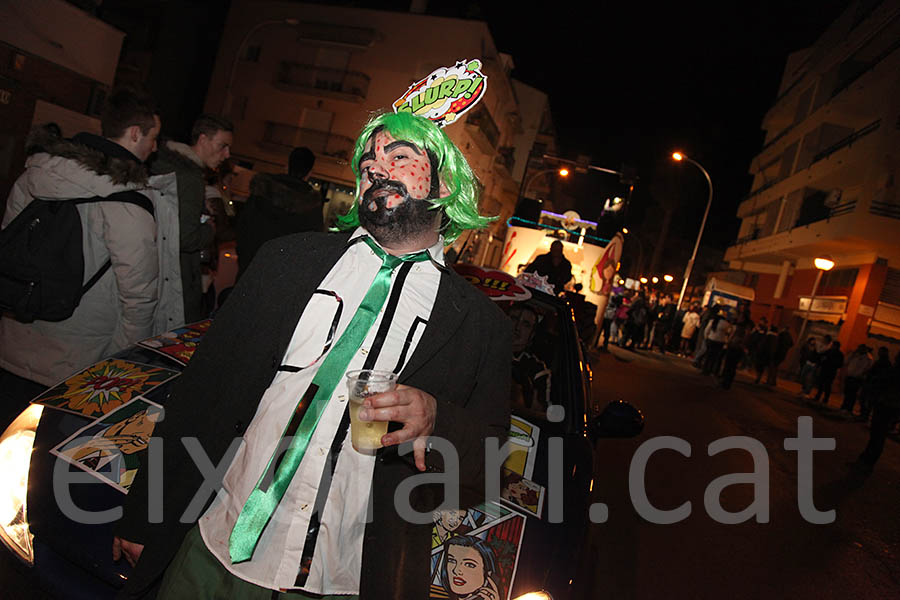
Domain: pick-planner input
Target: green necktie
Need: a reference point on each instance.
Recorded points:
(273, 483)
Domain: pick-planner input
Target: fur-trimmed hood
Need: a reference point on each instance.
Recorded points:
(176, 156)
(64, 169)
(284, 192)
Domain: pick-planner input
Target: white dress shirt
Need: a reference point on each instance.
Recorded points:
(337, 557)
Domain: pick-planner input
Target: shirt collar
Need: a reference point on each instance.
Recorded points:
(436, 251)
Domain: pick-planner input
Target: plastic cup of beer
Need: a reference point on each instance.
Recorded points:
(366, 435)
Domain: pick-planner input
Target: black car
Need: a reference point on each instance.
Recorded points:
(91, 430)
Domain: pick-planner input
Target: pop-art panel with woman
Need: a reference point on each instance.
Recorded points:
(480, 565)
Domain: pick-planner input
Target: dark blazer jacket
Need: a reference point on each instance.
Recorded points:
(463, 360)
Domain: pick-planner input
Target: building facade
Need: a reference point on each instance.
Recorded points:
(825, 183)
(57, 64)
(291, 74)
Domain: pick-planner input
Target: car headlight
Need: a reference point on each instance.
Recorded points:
(541, 595)
(15, 458)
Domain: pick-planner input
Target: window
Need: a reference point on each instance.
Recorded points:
(839, 278)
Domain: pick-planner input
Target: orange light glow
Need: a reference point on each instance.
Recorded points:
(563, 172)
(625, 230)
(677, 155)
(228, 255)
(668, 278)
(824, 263)
(643, 280)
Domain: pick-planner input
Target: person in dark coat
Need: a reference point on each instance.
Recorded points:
(554, 266)
(247, 379)
(637, 319)
(782, 347)
(734, 351)
(765, 352)
(211, 139)
(886, 413)
(873, 383)
(279, 205)
(829, 365)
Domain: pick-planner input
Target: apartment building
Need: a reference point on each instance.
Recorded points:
(825, 183)
(292, 74)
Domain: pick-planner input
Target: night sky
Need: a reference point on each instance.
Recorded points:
(629, 82)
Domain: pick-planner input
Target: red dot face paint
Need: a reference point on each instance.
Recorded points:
(396, 162)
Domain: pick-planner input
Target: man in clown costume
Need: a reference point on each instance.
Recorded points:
(300, 513)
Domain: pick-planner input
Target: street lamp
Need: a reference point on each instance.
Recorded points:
(563, 172)
(643, 280)
(655, 279)
(679, 156)
(668, 278)
(822, 263)
(229, 97)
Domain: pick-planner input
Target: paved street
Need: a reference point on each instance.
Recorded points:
(858, 555)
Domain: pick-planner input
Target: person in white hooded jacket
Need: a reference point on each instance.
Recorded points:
(120, 308)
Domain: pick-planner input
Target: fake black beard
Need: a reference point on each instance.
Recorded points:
(408, 219)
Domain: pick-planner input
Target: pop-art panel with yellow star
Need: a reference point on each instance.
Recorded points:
(104, 387)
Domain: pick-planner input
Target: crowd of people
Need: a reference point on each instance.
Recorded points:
(634, 319)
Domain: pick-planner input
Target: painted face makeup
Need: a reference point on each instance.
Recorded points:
(396, 180)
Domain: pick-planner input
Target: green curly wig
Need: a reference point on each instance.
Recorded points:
(461, 205)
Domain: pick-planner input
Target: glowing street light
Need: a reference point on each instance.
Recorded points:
(678, 156)
(643, 280)
(822, 263)
(625, 230)
(668, 278)
(564, 172)
(655, 279)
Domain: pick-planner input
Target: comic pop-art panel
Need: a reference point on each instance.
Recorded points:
(178, 344)
(523, 438)
(481, 563)
(201, 326)
(103, 387)
(108, 448)
(522, 492)
(447, 523)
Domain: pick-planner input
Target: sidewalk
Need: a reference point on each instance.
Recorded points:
(790, 390)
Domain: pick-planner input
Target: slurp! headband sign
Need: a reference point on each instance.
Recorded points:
(446, 93)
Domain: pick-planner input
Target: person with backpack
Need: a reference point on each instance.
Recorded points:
(85, 192)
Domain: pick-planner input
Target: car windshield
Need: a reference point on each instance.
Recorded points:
(536, 356)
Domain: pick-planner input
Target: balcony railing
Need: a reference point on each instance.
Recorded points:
(885, 209)
(344, 35)
(279, 137)
(847, 141)
(481, 119)
(783, 133)
(862, 68)
(296, 76)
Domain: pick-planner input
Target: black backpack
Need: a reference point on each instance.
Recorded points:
(42, 258)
